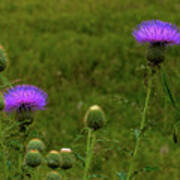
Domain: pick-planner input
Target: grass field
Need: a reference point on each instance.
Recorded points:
(83, 53)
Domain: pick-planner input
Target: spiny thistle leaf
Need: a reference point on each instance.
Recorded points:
(167, 89)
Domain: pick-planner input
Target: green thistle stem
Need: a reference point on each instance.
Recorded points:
(3, 148)
(64, 177)
(131, 168)
(89, 152)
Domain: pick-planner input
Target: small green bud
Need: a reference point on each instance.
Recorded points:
(36, 144)
(33, 158)
(66, 158)
(53, 176)
(156, 54)
(53, 160)
(2, 104)
(3, 59)
(95, 118)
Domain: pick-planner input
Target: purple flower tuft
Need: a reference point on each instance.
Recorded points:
(157, 31)
(26, 97)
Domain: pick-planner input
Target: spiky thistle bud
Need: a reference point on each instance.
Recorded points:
(33, 158)
(53, 159)
(2, 104)
(156, 53)
(3, 59)
(94, 118)
(66, 158)
(24, 117)
(53, 175)
(36, 144)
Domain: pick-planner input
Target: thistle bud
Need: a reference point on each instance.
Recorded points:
(33, 158)
(53, 176)
(66, 158)
(24, 116)
(53, 159)
(3, 59)
(156, 54)
(94, 118)
(2, 104)
(36, 144)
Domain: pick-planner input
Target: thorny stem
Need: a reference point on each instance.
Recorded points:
(3, 152)
(131, 167)
(89, 152)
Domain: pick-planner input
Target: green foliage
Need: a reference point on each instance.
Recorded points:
(83, 53)
(53, 176)
(1, 102)
(3, 59)
(121, 175)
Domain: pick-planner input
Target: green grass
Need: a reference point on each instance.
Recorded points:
(82, 53)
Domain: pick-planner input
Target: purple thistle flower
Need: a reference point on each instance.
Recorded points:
(24, 97)
(157, 31)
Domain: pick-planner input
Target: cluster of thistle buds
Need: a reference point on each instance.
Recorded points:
(33, 156)
(63, 159)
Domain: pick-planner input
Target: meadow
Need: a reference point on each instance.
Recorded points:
(83, 53)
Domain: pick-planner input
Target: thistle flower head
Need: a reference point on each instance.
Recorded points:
(24, 97)
(157, 31)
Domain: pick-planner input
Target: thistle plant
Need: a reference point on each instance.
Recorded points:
(33, 158)
(94, 119)
(23, 100)
(158, 35)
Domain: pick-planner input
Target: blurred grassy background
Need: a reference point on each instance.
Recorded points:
(82, 53)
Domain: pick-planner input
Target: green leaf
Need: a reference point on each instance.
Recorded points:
(167, 89)
(137, 133)
(149, 169)
(121, 175)
(96, 176)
